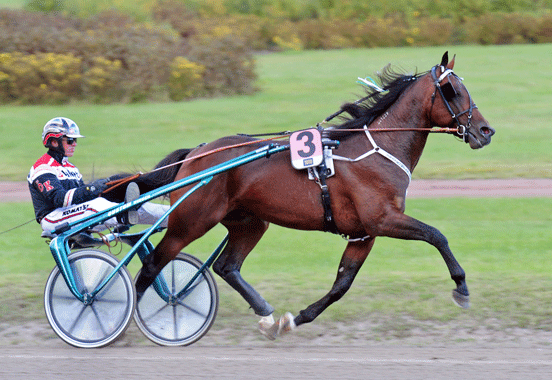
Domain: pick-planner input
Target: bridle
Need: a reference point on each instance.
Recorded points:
(448, 92)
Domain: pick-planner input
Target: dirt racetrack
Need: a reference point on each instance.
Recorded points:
(32, 351)
(518, 187)
(278, 362)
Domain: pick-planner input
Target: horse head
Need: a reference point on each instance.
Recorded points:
(452, 106)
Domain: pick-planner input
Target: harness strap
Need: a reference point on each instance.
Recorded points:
(377, 149)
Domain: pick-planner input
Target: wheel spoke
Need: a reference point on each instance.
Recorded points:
(113, 302)
(193, 310)
(175, 322)
(110, 284)
(198, 281)
(157, 312)
(95, 312)
(64, 298)
(173, 279)
(77, 319)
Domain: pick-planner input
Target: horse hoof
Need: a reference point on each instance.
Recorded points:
(268, 328)
(286, 323)
(272, 329)
(460, 299)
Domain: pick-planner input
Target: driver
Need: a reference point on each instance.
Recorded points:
(59, 193)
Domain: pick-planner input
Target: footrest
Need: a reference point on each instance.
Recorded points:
(132, 239)
(84, 240)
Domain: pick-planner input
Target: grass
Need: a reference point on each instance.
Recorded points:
(297, 91)
(503, 244)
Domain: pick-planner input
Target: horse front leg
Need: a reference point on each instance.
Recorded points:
(353, 257)
(404, 227)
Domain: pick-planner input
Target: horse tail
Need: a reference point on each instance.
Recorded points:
(164, 172)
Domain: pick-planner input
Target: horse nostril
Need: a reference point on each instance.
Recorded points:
(487, 131)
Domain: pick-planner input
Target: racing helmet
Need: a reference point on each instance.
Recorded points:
(59, 127)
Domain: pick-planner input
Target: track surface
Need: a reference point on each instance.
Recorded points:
(293, 357)
(279, 362)
(517, 187)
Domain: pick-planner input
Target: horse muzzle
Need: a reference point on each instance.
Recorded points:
(479, 137)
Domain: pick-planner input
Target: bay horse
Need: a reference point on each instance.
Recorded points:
(367, 193)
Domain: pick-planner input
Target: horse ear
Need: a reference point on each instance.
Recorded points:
(444, 60)
(451, 63)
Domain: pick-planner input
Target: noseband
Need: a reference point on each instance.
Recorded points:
(448, 92)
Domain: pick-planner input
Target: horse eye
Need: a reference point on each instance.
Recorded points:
(449, 92)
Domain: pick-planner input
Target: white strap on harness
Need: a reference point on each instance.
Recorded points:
(377, 149)
(444, 75)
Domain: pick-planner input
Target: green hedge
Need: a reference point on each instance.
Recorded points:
(390, 31)
(134, 50)
(113, 59)
(331, 24)
(325, 24)
(297, 10)
(40, 78)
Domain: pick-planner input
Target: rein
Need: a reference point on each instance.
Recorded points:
(278, 135)
(430, 130)
(461, 130)
(114, 184)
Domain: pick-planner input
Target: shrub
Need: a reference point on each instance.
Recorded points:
(544, 29)
(122, 60)
(376, 32)
(433, 32)
(101, 81)
(502, 29)
(229, 64)
(40, 78)
(144, 52)
(177, 15)
(185, 80)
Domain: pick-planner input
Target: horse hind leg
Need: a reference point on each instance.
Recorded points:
(164, 252)
(244, 232)
(175, 239)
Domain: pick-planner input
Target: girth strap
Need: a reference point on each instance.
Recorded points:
(329, 221)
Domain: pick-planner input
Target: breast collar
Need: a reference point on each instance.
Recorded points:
(377, 149)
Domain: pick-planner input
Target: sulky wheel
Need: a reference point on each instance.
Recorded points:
(103, 320)
(171, 321)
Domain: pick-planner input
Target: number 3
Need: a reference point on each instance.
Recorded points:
(306, 148)
(308, 143)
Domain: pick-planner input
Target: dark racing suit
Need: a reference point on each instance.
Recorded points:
(54, 183)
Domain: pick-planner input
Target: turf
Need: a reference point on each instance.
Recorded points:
(503, 245)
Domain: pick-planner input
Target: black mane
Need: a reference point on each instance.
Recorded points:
(375, 103)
